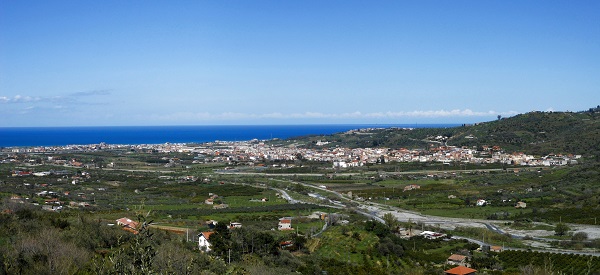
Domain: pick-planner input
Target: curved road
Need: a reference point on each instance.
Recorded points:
(377, 210)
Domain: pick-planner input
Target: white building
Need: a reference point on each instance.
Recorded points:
(285, 224)
(203, 243)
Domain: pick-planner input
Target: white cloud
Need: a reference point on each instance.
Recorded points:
(445, 113)
(70, 99)
(19, 99)
(204, 116)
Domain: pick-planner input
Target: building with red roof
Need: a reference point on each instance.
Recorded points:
(128, 225)
(203, 241)
(461, 270)
(456, 259)
(285, 224)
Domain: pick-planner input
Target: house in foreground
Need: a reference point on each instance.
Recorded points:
(456, 259)
(128, 224)
(460, 270)
(285, 224)
(496, 248)
(203, 241)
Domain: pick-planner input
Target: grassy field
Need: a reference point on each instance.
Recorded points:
(333, 244)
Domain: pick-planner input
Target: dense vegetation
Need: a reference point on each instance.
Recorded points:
(521, 261)
(538, 133)
(60, 243)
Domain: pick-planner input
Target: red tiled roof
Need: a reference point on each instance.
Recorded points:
(127, 222)
(207, 234)
(460, 270)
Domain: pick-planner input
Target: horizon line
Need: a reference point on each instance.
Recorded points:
(237, 125)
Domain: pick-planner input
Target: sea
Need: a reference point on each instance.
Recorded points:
(60, 136)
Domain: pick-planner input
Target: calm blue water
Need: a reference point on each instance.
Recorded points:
(50, 136)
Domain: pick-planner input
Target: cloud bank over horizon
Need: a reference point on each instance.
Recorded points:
(205, 116)
(57, 107)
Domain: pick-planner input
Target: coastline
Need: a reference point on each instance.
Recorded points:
(82, 135)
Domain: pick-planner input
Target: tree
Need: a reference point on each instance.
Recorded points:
(299, 241)
(387, 246)
(561, 229)
(391, 221)
(221, 239)
(378, 228)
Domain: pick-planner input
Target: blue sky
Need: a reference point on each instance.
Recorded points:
(89, 63)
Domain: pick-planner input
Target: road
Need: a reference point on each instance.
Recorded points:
(236, 172)
(291, 200)
(376, 211)
(286, 196)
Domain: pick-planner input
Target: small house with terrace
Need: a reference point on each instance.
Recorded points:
(456, 259)
(285, 224)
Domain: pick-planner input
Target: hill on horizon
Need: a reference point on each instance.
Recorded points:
(537, 133)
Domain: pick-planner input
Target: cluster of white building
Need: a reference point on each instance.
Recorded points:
(348, 157)
(256, 151)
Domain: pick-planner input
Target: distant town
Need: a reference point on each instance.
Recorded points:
(256, 151)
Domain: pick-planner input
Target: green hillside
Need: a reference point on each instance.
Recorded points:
(537, 133)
